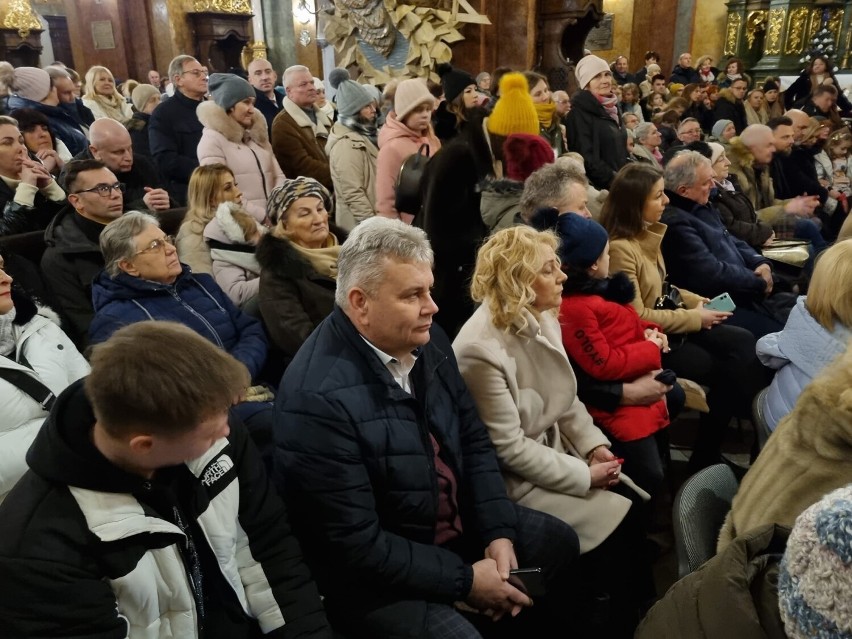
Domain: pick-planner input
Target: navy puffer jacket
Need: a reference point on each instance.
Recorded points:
(193, 300)
(703, 257)
(354, 454)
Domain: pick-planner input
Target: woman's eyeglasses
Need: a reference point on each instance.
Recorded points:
(158, 245)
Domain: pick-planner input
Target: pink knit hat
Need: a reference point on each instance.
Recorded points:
(31, 83)
(409, 95)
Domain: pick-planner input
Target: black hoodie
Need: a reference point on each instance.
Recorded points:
(57, 573)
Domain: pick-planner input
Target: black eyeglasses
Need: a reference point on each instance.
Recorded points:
(104, 190)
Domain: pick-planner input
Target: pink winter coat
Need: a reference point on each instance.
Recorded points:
(396, 143)
(246, 152)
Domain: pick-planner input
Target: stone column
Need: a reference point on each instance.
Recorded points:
(280, 33)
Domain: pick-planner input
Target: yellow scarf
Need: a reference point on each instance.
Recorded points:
(545, 113)
(324, 260)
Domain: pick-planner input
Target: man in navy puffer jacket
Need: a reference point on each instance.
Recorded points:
(393, 481)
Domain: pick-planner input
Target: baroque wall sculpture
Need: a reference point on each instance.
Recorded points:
(389, 38)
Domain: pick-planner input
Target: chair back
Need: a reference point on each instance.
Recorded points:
(758, 413)
(698, 514)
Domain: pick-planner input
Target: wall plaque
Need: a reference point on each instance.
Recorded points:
(102, 34)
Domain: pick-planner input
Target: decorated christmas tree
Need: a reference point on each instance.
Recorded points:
(821, 45)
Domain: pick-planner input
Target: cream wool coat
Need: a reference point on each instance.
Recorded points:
(246, 152)
(641, 260)
(352, 158)
(526, 394)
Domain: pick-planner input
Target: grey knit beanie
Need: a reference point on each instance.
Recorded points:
(141, 95)
(815, 575)
(32, 83)
(227, 89)
(351, 96)
(719, 127)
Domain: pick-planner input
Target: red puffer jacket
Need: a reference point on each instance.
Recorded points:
(607, 340)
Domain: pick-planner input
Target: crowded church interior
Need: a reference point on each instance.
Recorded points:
(425, 319)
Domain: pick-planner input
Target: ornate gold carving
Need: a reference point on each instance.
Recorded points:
(755, 23)
(816, 21)
(835, 21)
(774, 30)
(258, 49)
(845, 63)
(732, 34)
(796, 30)
(242, 7)
(21, 17)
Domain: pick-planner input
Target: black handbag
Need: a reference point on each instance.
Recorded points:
(670, 300)
(409, 195)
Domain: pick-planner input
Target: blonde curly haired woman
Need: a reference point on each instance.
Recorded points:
(554, 458)
(103, 98)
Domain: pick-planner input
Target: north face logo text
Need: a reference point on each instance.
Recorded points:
(216, 470)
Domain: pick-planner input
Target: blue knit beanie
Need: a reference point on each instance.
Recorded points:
(815, 576)
(582, 240)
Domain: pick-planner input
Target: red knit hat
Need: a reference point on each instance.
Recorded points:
(524, 154)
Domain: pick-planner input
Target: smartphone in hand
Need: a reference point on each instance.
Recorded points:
(529, 581)
(722, 303)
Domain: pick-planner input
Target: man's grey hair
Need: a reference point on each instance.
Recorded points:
(176, 65)
(643, 130)
(755, 133)
(117, 238)
(365, 254)
(682, 169)
(548, 187)
(56, 73)
(289, 72)
(684, 122)
(629, 114)
(481, 76)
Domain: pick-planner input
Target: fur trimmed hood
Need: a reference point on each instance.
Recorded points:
(212, 116)
(739, 153)
(618, 288)
(26, 309)
(224, 228)
(277, 256)
(727, 94)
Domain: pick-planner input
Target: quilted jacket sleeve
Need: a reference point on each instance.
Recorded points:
(279, 588)
(319, 454)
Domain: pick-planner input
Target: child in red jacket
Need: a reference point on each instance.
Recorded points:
(606, 338)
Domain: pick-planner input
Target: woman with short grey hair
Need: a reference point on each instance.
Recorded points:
(647, 140)
(117, 241)
(144, 280)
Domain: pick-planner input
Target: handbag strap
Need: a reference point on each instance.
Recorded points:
(423, 147)
(30, 385)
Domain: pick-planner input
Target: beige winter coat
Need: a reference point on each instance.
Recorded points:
(641, 260)
(352, 158)
(807, 456)
(526, 394)
(246, 152)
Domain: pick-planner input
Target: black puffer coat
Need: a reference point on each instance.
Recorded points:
(597, 137)
(739, 217)
(354, 454)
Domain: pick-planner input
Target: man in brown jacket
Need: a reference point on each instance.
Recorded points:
(299, 131)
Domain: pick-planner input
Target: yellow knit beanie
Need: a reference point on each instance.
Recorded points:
(514, 111)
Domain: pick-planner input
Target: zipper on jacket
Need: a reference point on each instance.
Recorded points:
(198, 315)
(192, 565)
